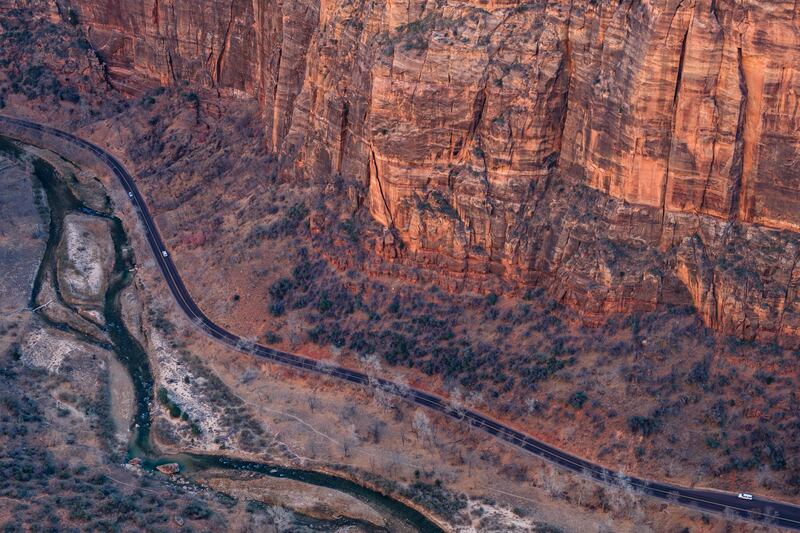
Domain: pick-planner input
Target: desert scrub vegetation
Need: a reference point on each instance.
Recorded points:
(426, 490)
(651, 374)
(435, 497)
(175, 411)
(78, 488)
(55, 479)
(235, 416)
(8, 148)
(287, 224)
(48, 73)
(418, 330)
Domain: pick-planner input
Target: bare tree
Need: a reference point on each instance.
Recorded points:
(282, 518)
(457, 401)
(475, 399)
(375, 431)
(245, 344)
(293, 330)
(552, 482)
(248, 375)
(313, 403)
(422, 426)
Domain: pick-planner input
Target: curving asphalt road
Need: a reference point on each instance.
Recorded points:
(759, 509)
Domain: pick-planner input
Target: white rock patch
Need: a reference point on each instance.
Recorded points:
(85, 273)
(495, 519)
(172, 373)
(45, 350)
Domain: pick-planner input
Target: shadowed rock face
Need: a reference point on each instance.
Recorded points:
(451, 120)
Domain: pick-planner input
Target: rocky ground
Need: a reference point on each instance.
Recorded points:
(23, 238)
(86, 255)
(625, 389)
(232, 400)
(54, 424)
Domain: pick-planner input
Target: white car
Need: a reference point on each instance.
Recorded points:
(745, 496)
(164, 253)
(130, 194)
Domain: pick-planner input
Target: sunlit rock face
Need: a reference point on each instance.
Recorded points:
(452, 121)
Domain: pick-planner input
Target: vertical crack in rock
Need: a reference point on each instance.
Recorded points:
(342, 135)
(564, 69)
(737, 200)
(225, 43)
(171, 67)
(380, 186)
(478, 107)
(678, 80)
(276, 109)
(259, 33)
(675, 96)
(702, 206)
(716, 124)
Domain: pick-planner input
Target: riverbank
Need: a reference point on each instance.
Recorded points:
(92, 276)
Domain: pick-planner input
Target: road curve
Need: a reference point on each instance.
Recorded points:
(759, 509)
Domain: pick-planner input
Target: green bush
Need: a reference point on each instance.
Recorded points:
(577, 399)
(643, 424)
(8, 148)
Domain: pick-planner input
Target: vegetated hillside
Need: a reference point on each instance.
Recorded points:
(450, 121)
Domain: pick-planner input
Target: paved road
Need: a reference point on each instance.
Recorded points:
(782, 514)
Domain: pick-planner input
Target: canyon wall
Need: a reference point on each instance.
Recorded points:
(692, 106)
(471, 128)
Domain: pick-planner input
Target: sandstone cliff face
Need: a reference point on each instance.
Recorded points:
(452, 121)
(692, 106)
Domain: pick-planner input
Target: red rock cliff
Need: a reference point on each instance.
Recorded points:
(452, 118)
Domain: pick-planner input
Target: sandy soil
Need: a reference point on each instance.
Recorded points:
(310, 500)
(86, 257)
(123, 399)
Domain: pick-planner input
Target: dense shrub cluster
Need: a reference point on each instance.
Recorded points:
(286, 225)
(523, 357)
(436, 498)
(175, 410)
(428, 332)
